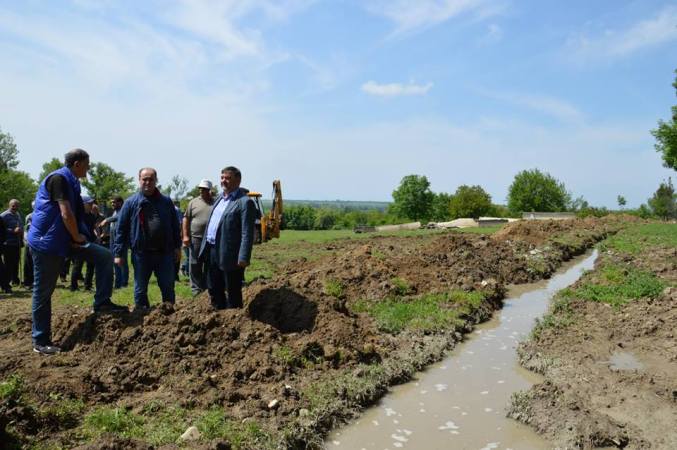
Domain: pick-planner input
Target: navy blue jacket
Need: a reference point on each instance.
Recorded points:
(235, 235)
(129, 230)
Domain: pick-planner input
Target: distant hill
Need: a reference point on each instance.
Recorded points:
(334, 204)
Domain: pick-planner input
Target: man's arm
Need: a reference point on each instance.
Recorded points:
(185, 225)
(121, 237)
(248, 218)
(70, 222)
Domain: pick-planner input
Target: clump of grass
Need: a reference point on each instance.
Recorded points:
(66, 411)
(214, 424)
(401, 286)
(12, 387)
(163, 424)
(118, 421)
(284, 355)
(326, 394)
(616, 285)
(427, 313)
(560, 315)
(334, 288)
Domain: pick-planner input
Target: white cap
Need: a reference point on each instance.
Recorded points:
(205, 184)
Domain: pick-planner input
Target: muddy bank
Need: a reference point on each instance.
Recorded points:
(295, 360)
(608, 351)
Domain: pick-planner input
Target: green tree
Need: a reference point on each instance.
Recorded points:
(8, 152)
(413, 199)
(441, 210)
(298, 217)
(19, 185)
(621, 201)
(664, 202)
(470, 201)
(103, 182)
(326, 219)
(49, 167)
(533, 190)
(666, 137)
(177, 187)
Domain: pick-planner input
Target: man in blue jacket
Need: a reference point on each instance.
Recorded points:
(148, 225)
(227, 243)
(57, 230)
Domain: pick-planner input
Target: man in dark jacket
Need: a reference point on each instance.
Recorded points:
(148, 225)
(11, 251)
(57, 231)
(4, 275)
(227, 243)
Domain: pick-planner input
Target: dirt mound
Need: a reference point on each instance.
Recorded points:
(537, 232)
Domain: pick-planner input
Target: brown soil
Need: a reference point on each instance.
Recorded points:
(586, 401)
(195, 357)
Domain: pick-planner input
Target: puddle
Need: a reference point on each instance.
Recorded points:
(624, 361)
(460, 402)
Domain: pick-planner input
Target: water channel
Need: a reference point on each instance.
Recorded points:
(460, 402)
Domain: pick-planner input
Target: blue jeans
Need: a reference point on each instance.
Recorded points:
(47, 268)
(122, 272)
(145, 263)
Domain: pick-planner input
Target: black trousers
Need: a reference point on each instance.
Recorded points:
(12, 256)
(28, 266)
(219, 281)
(76, 274)
(4, 278)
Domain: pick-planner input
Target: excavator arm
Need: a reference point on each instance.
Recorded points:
(268, 223)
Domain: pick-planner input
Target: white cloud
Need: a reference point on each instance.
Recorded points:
(395, 89)
(410, 16)
(611, 44)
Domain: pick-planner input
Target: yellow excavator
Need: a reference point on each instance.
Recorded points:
(268, 224)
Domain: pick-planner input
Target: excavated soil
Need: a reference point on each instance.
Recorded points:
(611, 374)
(197, 358)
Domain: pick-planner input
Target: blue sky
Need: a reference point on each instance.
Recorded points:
(341, 99)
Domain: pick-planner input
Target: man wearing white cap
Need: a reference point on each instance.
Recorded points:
(195, 221)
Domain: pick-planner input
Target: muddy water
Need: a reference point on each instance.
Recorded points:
(460, 402)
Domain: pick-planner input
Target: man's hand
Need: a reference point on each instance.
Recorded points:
(186, 242)
(80, 239)
(242, 264)
(17, 230)
(177, 255)
(118, 261)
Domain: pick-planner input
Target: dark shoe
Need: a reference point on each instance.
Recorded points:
(88, 288)
(7, 290)
(110, 307)
(46, 349)
(141, 309)
(73, 288)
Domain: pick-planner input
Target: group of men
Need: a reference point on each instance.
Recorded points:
(219, 233)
